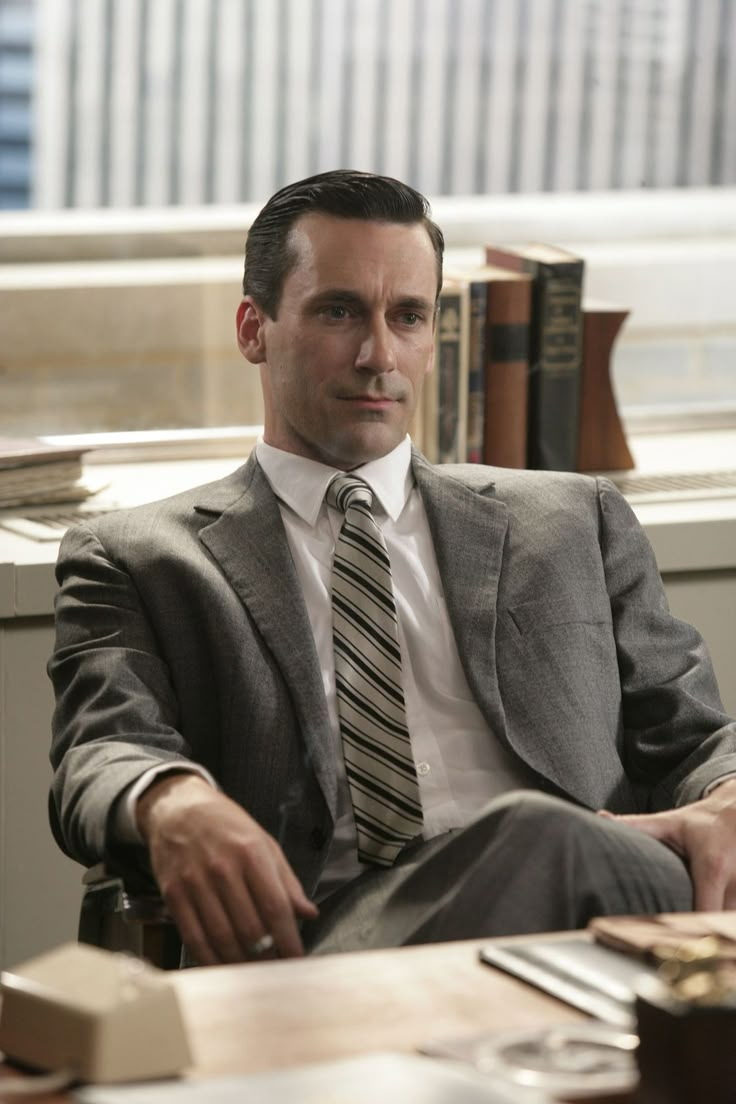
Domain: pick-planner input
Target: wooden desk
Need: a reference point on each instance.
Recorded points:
(277, 1014)
(271, 1015)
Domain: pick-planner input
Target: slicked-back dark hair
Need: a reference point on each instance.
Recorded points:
(344, 193)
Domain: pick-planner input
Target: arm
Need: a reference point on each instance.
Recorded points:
(677, 735)
(116, 711)
(223, 876)
(677, 739)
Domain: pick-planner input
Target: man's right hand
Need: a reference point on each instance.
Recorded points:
(224, 879)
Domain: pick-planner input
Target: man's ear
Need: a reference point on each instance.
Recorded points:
(251, 334)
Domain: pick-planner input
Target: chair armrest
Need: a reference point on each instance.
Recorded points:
(123, 911)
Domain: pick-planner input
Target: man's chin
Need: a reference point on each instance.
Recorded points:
(369, 441)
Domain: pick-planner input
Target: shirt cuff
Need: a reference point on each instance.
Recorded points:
(124, 826)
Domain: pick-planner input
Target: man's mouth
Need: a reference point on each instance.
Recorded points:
(371, 400)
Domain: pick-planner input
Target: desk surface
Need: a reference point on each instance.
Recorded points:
(271, 1015)
(278, 1014)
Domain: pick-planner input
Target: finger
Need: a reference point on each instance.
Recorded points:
(211, 934)
(275, 909)
(239, 902)
(252, 896)
(191, 931)
(660, 826)
(299, 900)
(278, 897)
(240, 909)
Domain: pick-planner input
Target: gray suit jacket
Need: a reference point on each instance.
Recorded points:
(182, 634)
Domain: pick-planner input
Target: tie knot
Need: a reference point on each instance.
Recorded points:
(348, 490)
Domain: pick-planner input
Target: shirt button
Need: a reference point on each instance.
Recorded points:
(422, 769)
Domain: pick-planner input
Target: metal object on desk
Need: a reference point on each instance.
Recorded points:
(687, 1026)
(568, 1060)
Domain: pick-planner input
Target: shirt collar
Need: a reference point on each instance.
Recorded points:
(302, 484)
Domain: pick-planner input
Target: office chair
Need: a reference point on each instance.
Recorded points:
(122, 911)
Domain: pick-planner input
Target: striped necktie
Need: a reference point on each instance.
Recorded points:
(376, 746)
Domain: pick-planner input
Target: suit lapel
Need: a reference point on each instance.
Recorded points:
(248, 541)
(468, 526)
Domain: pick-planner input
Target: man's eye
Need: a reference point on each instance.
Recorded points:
(336, 313)
(411, 318)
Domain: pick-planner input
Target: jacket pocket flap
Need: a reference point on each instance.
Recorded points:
(571, 608)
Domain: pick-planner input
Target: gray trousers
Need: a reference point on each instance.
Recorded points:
(527, 863)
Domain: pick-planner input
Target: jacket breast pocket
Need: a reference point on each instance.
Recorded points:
(569, 609)
(561, 650)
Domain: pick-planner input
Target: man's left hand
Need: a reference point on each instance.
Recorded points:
(704, 834)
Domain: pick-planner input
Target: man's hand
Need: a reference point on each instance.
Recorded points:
(225, 880)
(704, 834)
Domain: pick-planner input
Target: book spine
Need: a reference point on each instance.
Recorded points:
(556, 361)
(429, 405)
(555, 355)
(507, 372)
(476, 372)
(451, 370)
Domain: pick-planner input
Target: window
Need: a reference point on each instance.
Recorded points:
(158, 126)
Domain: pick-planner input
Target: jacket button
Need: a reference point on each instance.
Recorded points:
(317, 839)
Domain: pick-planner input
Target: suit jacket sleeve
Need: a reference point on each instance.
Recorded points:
(677, 737)
(116, 713)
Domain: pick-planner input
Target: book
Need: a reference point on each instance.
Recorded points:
(498, 365)
(446, 389)
(602, 444)
(476, 419)
(555, 349)
(509, 302)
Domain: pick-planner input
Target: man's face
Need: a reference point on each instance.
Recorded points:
(343, 363)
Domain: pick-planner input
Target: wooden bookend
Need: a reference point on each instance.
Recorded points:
(602, 443)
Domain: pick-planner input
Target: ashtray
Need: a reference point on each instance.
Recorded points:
(570, 1060)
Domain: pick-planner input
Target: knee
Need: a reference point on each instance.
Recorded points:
(532, 807)
(528, 819)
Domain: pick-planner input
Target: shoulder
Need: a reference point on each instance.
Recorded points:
(540, 501)
(517, 487)
(172, 518)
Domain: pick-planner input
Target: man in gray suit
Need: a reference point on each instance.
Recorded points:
(569, 754)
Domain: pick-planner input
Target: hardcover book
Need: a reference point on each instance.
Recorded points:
(498, 369)
(446, 389)
(555, 353)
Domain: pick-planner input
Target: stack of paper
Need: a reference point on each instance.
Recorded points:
(34, 471)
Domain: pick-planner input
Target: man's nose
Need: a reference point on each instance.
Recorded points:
(376, 353)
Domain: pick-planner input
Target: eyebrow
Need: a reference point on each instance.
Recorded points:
(351, 298)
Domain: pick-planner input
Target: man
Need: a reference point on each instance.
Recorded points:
(265, 751)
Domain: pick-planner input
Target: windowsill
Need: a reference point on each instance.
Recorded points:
(687, 533)
(696, 450)
(163, 445)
